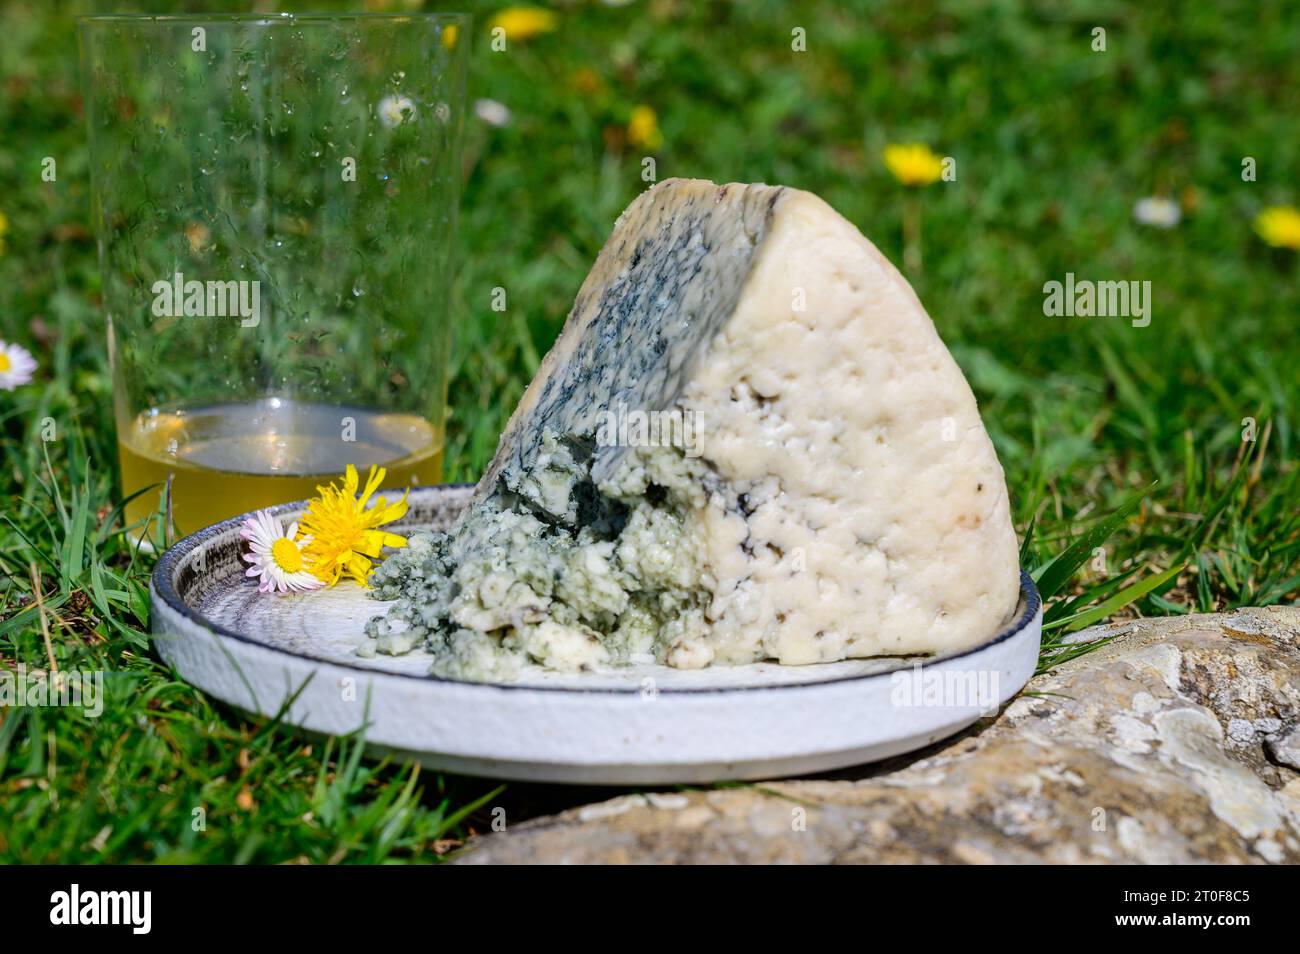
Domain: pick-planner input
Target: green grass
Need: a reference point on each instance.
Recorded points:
(1128, 439)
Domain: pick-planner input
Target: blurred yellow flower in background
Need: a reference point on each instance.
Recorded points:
(523, 23)
(449, 34)
(643, 128)
(197, 235)
(913, 164)
(4, 230)
(587, 81)
(1279, 226)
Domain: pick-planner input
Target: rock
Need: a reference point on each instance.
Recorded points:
(1177, 742)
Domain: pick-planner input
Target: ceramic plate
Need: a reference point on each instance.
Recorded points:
(643, 725)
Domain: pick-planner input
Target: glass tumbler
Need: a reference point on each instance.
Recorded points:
(275, 199)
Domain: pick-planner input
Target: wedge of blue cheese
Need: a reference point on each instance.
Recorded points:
(748, 443)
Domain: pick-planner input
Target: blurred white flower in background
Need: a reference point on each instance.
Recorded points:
(1158, 212)
(395, 110)
(492, 112)
(16, 366)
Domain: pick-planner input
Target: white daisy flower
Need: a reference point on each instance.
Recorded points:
(1157, 211)
(16, 366)
(395, 110)
(492, 112)
(277, 556)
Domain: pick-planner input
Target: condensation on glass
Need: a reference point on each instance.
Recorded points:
(275, 199)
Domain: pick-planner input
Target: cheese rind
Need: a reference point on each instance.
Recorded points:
(665, 283)
(846, 500)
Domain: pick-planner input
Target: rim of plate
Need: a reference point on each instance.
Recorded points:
(164, 589)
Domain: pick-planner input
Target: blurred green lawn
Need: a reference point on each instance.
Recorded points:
(1054, 143)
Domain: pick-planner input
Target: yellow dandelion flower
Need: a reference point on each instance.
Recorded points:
(1279, 226)
(914, 164)
(449, 34)
(524, 23)
(339, 532)
(643, 128)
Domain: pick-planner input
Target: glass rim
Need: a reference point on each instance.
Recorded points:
(269, 19)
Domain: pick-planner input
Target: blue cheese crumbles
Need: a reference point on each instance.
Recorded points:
(600, 575)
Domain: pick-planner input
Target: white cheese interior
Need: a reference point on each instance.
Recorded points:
(879, 516)
(847, 501)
